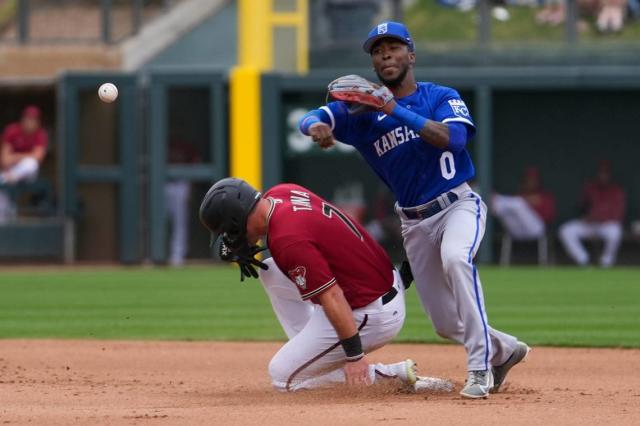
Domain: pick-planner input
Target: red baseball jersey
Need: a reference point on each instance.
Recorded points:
(22, 142)
(605, 202)
(317, 246)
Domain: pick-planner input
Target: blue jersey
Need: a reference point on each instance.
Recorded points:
(414, 170)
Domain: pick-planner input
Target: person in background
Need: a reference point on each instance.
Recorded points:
(604, 203)
(609, 14)
(553, 13)
(177, 195)
(525, 216)
(22, 150)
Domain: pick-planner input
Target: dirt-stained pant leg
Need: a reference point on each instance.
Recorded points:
(441, 250)
(313, 356)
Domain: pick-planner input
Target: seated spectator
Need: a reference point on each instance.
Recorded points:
(609, 14)
(553, 13)
(604, 203)
(23, 148)
(525, 216)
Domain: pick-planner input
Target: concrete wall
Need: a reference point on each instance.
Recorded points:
(213, 43)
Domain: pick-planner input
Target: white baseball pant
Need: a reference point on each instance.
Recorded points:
(313, 356)
(441, 249)
(572, 232)
(24, 170)
(177, 200)
(517, 216)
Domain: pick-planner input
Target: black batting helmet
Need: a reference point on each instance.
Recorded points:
(225, 209)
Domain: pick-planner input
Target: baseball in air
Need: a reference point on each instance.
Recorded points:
(108, 92)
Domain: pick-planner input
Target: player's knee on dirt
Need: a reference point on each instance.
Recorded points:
(279, 372)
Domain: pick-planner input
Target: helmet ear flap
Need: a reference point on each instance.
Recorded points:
(225, 209)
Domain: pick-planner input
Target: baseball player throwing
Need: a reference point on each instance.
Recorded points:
(332, 287)
(413, 135)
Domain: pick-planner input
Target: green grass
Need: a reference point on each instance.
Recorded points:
(431, 23)
(563, 306)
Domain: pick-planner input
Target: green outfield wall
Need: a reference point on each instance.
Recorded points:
(561, 119)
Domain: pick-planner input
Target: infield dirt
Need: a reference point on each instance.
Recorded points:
(160, 383)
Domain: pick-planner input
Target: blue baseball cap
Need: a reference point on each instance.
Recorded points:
(388, 29)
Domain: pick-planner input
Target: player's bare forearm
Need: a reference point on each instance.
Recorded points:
(340, 315)
(38, 153)
(433, 132)
(10, 159)
(6, 156)
(436, 134)
(338, 312)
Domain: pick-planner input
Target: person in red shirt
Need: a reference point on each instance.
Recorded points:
(332, 287)
(22, 150)
(604, 202)
(24, 146)
(525, 216)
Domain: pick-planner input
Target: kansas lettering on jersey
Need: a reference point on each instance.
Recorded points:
(317, 246)
(414, 170)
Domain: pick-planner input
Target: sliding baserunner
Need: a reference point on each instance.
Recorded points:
(332, 287)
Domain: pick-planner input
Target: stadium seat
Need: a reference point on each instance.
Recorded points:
(507, 246)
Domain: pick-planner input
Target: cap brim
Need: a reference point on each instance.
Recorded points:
(368, 45)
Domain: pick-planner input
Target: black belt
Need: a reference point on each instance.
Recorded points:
(430, 209)
(388, 296)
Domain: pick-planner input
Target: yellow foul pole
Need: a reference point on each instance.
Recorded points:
(256, 22)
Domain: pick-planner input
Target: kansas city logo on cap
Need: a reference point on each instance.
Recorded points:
(390, 29)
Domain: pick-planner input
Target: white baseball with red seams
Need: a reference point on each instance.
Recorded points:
(108, 92)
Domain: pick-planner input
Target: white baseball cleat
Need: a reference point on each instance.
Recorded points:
(478, 384)
(408, 372)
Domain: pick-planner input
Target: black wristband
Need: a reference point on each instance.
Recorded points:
(352, 347)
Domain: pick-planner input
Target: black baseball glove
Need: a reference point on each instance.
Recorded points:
(245, 258)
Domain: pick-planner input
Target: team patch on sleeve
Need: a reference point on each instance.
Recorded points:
(299, 276)
(459, 108)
